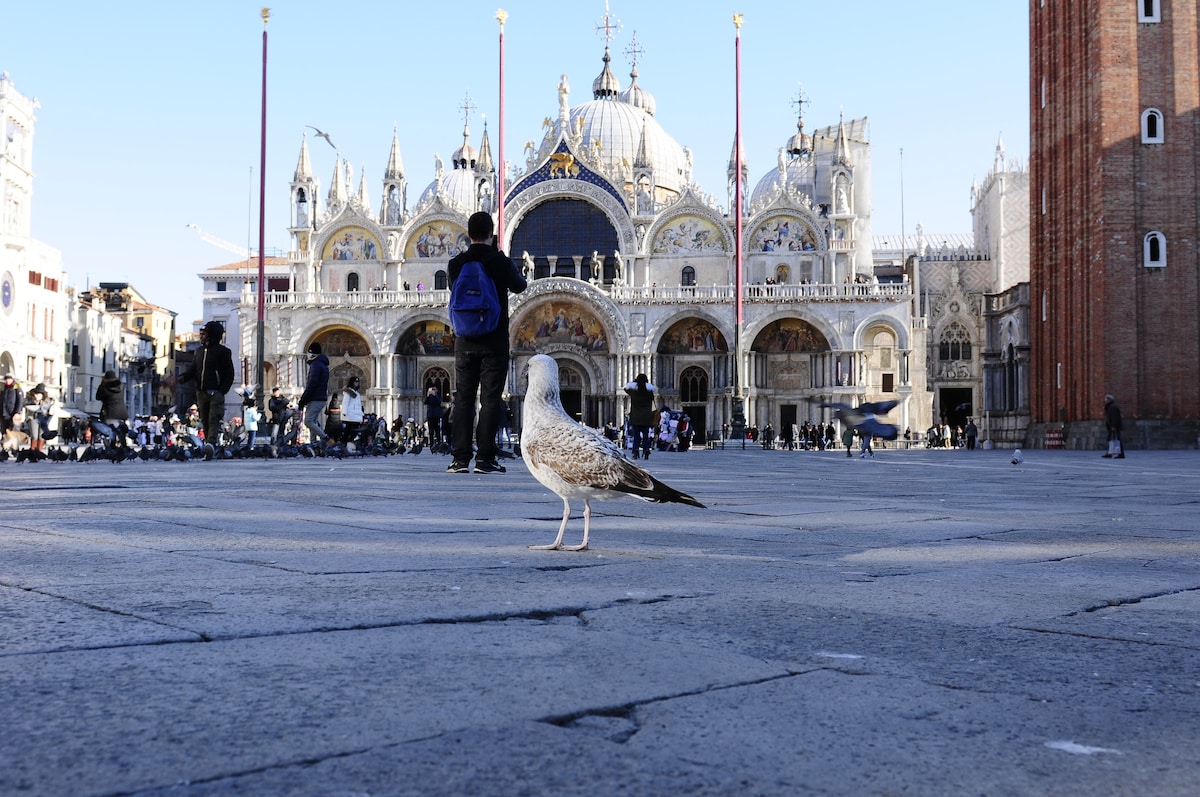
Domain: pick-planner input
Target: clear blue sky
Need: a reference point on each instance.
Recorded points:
(149, 117)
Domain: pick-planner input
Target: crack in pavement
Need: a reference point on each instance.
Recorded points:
(626, 725)
(542, 615)
(1112, 603)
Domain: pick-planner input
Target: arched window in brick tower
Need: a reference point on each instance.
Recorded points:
(1152, 126)
(1154, 250)
(1149, 10)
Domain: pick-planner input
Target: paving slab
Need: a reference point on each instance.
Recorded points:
(926, 622)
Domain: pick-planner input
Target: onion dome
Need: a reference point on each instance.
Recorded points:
(606, 85)
(637, 96)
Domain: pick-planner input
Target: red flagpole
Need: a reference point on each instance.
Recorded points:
(738, 419)
(737, 190)
(501, 17)
(260, 375)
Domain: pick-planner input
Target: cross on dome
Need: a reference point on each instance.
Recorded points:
(608, 26)
(467, 107)
(635, 51)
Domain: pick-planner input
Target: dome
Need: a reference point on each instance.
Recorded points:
(458, 187)
(618, 126)
(464, 157)
(799, 175)
(637, 96)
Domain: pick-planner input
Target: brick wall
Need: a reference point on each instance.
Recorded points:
(1101, 322)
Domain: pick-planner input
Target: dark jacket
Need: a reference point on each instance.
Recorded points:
(317, 387)
(507, 277)
(641, 405)
(214, 368)
(433, 407)
(111, 395)
(10, 400)
(1112, 418)
(277, 405)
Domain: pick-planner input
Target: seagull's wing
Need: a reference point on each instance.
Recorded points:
(878, 407)
(886, 431)
(582, 458)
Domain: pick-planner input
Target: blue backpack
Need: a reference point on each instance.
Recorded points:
(474, 305)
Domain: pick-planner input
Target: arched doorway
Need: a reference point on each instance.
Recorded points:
(693, 393)
(570, 389)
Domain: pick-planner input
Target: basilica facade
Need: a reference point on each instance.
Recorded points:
(632, 269)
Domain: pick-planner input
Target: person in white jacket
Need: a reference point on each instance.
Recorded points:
(352, 410)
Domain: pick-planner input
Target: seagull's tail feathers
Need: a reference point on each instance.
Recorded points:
(659, 493)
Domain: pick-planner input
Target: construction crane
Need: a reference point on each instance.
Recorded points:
(241, 251)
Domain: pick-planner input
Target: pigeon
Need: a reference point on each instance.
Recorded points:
(574, 461)
(863, 417)
(1018, 457)
(324, 135)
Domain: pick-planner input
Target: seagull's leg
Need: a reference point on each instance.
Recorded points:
(557, 540)
(587, 522)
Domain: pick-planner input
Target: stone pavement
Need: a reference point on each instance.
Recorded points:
(927, 623)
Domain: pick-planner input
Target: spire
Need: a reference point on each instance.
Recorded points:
(336, 197)
(485, 152)
(363, 201)
(841, 150)
(732, 168)
(999, 164)
(303, 167)
(642, 159)
(395, 166)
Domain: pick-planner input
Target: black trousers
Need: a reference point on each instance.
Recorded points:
(479, 376)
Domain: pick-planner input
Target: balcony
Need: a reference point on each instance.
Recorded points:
(624, 294)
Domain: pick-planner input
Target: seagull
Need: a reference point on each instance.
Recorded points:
(324, 135)
(1018, 457)
(575, 461)
(863, 417)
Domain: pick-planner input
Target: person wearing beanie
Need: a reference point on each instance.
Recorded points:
(214, 374)
(316, 394)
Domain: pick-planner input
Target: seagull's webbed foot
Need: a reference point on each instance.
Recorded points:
(552, 547)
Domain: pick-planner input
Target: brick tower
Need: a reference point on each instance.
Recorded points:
(1114, 218)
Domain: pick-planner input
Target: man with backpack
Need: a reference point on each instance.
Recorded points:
(480, 280)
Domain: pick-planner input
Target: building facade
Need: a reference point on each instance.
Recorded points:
(1114, 277)
(33, 294)
(631, 267)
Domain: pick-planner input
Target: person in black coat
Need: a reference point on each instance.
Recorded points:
(213, 372)
(111, 395)
(1112, 423)
(481, 363)
(11, 401)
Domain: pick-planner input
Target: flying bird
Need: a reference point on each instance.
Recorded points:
(575, 461)
(863, 417)
(324, 135)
